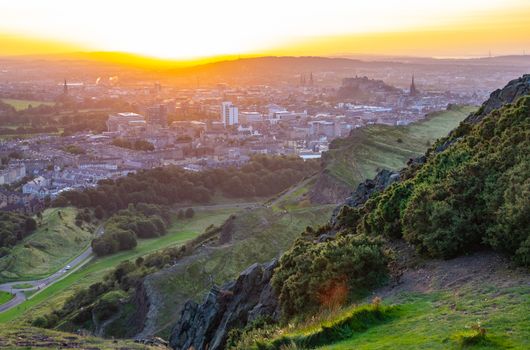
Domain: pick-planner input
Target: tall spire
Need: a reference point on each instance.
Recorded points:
(413, 90)
(65, 88)
(311, 79)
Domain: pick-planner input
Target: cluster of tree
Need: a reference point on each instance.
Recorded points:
(124, 227)
(13, 228)
(79, 308)
(138, 145)
(188, 213)
(83, 216)
(70, 118)
(262, 176)
(28, 130)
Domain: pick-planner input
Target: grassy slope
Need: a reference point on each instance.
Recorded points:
(53, 296)
(23, 104)
(359, 156)
(258, 236)
(56, 241)
(5, 297)
(29, 338)
(433, 321)
(436, 302)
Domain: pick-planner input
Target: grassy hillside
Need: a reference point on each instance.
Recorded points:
(55, 295)
(56, 241)
(255, 236)
(358, 157)
(435, 305)
(432, 321)
(5, 297)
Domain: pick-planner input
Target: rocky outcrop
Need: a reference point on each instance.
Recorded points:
(498, 98)
(382, 180)
(235, 304)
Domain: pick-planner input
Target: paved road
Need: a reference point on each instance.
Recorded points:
(40, 284)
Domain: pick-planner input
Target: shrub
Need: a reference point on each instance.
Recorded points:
(312, 276)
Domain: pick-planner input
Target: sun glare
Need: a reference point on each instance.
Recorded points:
(198, 29)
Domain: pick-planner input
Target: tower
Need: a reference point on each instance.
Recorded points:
(413, 90)
(65, 88)
(311, 79)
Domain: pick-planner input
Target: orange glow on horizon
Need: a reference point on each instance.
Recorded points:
(495, 29)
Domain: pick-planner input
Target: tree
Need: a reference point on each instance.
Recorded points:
(98, 212)
(190, 213)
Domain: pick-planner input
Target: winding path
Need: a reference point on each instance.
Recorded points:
(41, 284)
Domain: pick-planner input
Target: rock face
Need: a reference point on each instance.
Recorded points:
(509, 94)
(236, 303)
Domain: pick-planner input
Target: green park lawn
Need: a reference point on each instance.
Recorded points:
(5, 297)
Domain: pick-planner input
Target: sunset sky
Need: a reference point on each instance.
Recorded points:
(202, 28)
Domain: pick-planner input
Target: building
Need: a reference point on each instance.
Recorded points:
(121, 122)
(12, 173)
(250, 117)
(37, 186)
(229, 114)
(156, 115)
(323, 128)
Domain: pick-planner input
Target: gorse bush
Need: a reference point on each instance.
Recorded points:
(315, 275)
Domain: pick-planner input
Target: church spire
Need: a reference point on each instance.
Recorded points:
(413, 90)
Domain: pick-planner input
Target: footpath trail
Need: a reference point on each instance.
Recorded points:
(40, 284)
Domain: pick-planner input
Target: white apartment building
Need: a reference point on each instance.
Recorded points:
(229, 114)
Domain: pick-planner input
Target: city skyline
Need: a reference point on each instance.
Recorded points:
(213, 30)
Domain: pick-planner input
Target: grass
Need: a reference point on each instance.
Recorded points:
(257, 235)
(353, 322)
(476, 315)
(5, 297)
(56, 241)
(24, 104)
(30, 337)
(359, 156)
(22, 286)
(55, 295)
(438, 321)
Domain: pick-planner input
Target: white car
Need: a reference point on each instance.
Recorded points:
(68, 267)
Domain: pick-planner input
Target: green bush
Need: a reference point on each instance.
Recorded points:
(313, 276)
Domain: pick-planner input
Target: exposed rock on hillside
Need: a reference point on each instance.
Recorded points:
(498, 98)
(235, 304)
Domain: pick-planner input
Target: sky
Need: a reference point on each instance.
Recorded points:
(193, 29)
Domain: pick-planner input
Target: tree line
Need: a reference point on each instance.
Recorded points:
(261, 176)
